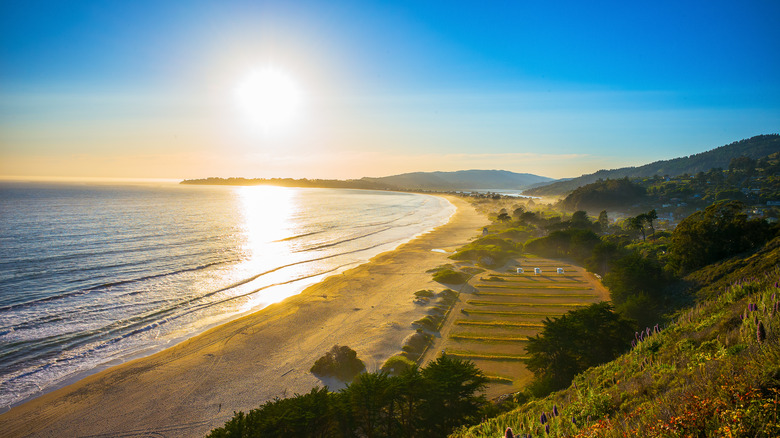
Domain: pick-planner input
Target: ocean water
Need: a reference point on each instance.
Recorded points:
(94, 275)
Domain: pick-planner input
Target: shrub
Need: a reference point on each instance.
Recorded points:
(449, 276)
(397, 364)
(426, 293)
(490, 251)
(340, 362)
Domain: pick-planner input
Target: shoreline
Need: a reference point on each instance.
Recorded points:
(298, 285)
(194, 386)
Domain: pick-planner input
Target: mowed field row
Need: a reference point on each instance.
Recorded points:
(504, 309)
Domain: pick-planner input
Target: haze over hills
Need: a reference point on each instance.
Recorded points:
(754, 147)
(443, 181)
(462, 180)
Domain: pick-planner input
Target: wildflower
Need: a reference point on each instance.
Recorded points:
(543, 418)
(555, 411)
(547, 429)
(573, 420)
(508, 433)
(760, 332)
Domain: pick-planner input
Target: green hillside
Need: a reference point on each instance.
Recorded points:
(713, 371)
(754, 147)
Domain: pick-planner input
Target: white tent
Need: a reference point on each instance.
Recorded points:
(520, 270)
(560, 270)
(537, 271)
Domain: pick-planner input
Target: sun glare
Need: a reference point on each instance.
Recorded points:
(269, 98)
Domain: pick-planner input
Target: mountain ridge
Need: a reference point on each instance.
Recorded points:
(754, 147)
(472, 179)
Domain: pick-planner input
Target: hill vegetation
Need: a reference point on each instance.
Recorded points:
(754, 148)
(462, 180)
(611, 194)
(423, 181)
(713, 371)
(290, 182)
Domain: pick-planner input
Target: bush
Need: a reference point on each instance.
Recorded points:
(307, 415)
(449, 276)
(429, 402)
(397, 364)
(490, 251)
(340, 362)
(426, 293)
(577, 340)
(415, 344)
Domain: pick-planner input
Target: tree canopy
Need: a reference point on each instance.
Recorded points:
(717, 232)
(576, 341)
(427, 402)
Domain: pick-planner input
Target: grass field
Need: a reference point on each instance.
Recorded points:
(491, 324)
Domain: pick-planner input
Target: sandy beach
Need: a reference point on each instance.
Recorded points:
(192, 387)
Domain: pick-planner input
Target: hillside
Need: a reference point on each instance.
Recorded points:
(754, 147)
(289, 182)
(461, 180)
(713, 371)
(441, 181)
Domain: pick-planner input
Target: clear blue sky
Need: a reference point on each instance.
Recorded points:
(145, 88)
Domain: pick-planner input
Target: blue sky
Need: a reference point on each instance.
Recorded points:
(144, 88)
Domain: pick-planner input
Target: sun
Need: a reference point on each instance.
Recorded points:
(269, 99)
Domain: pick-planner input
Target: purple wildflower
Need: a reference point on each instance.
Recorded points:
(508, 433)
(555, 410)
(573, 420)
(547, 429)
(543, 418)
(760, 332)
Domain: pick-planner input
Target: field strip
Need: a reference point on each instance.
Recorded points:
(507, 313)
(532, 278)
(499, 303)
(480, 338)
(499, 323)
(541, 286)
(507, 283)
(528, 295)
(468, 355)
(499, 379)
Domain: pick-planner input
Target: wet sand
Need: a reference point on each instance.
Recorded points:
(195, 386)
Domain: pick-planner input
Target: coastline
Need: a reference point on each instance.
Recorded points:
(192, 387)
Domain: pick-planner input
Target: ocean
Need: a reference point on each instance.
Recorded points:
(92, 275)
